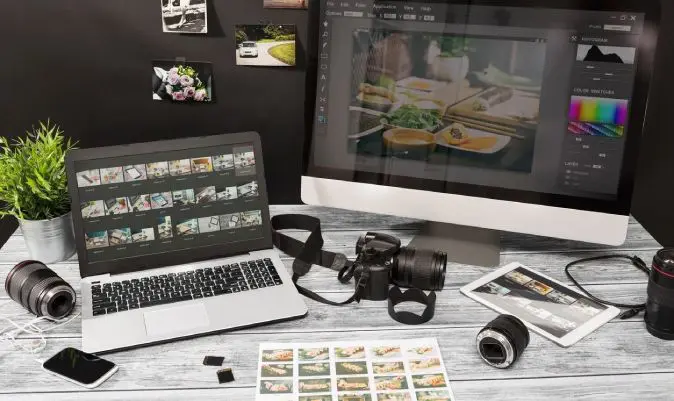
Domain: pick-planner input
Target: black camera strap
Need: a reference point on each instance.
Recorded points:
(311, 253)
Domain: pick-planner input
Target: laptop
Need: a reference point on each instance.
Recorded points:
(193, 253)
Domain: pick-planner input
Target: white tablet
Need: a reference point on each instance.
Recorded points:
(546, 306)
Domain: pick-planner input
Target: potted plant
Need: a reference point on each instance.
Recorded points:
(34, 189)
(448, 58)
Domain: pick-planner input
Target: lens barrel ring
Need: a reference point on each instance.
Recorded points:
(38, 292)
(31, 281)
(17, 278)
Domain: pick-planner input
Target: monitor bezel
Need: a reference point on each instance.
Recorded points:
(644, 71)
(170, 258)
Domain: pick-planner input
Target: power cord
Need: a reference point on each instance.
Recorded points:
(632, 309)
(11, 333)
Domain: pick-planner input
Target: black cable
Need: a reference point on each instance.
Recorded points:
(632, 309)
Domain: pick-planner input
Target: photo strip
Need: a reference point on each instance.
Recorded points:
(182, 82)
(265, 45)
(184, 16)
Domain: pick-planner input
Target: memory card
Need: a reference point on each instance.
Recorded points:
(213, 360)
(225, 375)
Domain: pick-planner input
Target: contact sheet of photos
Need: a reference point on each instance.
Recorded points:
(399, 370)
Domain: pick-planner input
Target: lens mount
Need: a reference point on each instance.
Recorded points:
(495, 349)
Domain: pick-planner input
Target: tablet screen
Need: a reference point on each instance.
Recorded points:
(551, 307)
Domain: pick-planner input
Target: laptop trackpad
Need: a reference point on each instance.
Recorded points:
(178, 319)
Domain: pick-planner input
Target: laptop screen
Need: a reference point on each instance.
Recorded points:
(162, 202)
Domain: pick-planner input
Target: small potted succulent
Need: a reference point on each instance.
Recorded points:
(449, 59)
(34, 189)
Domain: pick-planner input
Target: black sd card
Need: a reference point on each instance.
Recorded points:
(213, 360)
(225, 375)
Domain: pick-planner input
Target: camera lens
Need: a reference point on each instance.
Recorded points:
(420, 269)
(40, 290)
(659, 315)
(502, 341)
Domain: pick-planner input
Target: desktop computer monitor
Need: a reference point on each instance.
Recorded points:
(483, 115)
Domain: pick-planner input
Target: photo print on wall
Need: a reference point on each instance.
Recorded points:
(265, 45)
(185, 82)
(184, 16)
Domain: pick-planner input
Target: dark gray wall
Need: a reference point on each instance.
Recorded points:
(87, 65)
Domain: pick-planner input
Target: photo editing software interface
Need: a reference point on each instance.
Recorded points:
(529, 99)
(169, 201)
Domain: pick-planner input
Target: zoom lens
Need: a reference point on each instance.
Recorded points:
(659, 315)
(420, 269)
(38, 289)
(502, 341)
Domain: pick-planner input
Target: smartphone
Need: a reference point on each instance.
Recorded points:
(81, 368)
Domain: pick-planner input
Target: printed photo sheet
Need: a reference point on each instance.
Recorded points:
(398, 370)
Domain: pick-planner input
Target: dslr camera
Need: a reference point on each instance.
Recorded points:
(381, 261)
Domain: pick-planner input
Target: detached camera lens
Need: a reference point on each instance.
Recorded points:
(420, 269)
(40, 290)
(502, 341)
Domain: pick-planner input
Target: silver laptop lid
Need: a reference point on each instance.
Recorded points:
(155, 204)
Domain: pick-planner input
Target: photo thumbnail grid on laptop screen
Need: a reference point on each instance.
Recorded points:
(153, 203)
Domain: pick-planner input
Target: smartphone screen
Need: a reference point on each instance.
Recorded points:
(78, 366)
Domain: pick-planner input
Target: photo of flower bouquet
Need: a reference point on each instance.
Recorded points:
(182, 82)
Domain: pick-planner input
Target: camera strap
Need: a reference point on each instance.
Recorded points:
(311, 253)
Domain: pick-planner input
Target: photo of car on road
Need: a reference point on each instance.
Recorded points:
(265, 45)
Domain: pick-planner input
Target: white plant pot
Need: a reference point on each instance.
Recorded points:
(453, 69)
(49, 241)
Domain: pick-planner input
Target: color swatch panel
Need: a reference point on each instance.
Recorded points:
(598, 110)
(603, 130)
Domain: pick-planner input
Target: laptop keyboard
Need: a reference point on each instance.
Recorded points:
(184, 286)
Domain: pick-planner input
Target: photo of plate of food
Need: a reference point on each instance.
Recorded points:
(353, 383)
(458, 136)
(386, 351)
(314, 369)
(313, 354)
(422, 365)
(355, 352)
(394, 396)
(388, 367)
(427, 381)
(276, 370)
(277, 355)
(351, 368)
(313, 385)
(391, 383)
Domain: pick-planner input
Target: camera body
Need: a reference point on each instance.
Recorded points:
(382, 261)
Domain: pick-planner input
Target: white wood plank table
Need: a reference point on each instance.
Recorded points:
(620, 361)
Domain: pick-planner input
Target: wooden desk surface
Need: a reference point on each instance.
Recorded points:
(620, 361)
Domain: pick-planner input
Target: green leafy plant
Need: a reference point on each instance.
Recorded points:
(33, 182)
(453, 46)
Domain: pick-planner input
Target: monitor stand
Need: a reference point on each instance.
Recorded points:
(464, 245)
